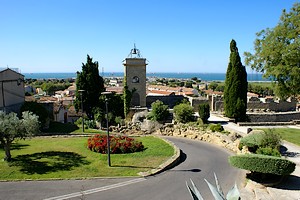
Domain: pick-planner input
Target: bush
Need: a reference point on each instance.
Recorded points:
(271, 139)
(204, 112)
(216, 127)
(159, 112)
(118, 144)
(252, 141)
(268, 151)
(261, 140)
(90, 123)
(119, 120)
(87, 123)
(263, 164)
(184, 113)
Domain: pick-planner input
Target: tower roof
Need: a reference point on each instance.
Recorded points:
(134, 53)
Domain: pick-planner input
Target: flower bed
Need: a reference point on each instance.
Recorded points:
(118, 144)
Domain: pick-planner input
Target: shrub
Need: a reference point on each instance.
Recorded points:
(263, 164)
(184, 113)
(119, 120)
(268, 151)
(261, 140)
(216, 127)
(118, 144)
(159, 112)
(87, 123)
(204, 112)
(252, 141)
(271, 139)
(90, 123)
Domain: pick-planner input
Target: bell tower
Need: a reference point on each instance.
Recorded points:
(135, 76)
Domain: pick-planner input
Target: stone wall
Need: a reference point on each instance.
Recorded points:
(171, 101)
(196, 101)
(281, 106)
(273, 117)
(257, 105)
(229, 141)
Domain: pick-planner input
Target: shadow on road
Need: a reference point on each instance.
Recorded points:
(187, 170)
(49, 161)
(291, 183)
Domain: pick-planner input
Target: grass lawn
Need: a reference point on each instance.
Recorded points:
(47, 158)
(289, 134)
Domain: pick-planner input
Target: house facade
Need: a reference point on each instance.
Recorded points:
(12, 93)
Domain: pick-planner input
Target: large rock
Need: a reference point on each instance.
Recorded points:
(139, 117)
(149, 126)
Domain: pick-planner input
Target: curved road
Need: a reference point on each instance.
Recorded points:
(200, 160)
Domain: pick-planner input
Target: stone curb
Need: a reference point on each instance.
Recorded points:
(171, 162)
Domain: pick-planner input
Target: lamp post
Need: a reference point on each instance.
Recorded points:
(107, 129)
(81, 92)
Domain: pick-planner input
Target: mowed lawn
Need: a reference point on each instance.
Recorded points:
(289, 134)
(68, 157)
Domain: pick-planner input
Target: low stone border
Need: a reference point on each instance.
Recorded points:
(171, 162)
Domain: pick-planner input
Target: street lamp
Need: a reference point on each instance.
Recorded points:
(108, 140)
(81, 92)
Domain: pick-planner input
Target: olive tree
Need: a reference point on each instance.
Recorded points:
(12, 128)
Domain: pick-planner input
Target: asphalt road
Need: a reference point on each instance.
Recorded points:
(200, 160)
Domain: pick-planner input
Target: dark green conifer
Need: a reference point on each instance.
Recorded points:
(235, 92)
(92, 83)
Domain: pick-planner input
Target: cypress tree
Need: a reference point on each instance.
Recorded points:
(204, 113)
(236, 85)
(92, 83)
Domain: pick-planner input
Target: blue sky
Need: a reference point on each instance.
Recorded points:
(174, 35)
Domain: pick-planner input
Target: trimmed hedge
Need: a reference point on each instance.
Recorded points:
(263, 164)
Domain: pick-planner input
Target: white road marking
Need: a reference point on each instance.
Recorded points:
(91, 191)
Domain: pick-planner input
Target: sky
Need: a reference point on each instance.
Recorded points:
(173, 35)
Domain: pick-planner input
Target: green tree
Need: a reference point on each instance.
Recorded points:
(184, 113)
(235, 91)
(204, 113)
(159, 111)
(39, 110)
(189, 84)
(92, 83)
(11, 128)
(277, 53)
(213, 85)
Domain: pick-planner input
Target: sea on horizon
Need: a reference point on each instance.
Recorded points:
(200, 76)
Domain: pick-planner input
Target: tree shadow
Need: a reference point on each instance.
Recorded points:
(17, 146)
(187, 170)
(49, 161)
(285, 152)
(291, 182)
(57, 128)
